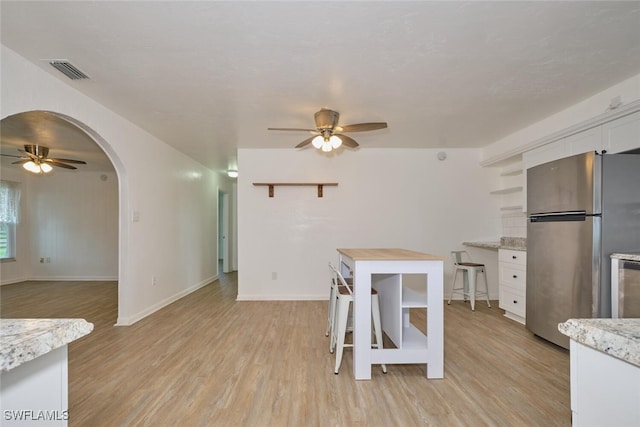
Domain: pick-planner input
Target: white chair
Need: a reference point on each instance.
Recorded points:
(343, 302)
(462, 262)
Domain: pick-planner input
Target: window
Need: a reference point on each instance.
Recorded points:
(9, 216)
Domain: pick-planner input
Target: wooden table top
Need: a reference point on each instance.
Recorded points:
(392, 254)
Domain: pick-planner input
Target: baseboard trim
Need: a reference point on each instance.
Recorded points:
(61, 279)
(130, 320)
(73, 278)
(282, 298)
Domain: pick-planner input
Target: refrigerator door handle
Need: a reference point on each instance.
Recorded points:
(630, 265)
(558, 216)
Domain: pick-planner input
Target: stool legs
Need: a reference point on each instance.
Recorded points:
(486, 287)
(453, 286)
(332, 310)
(340, 328)
(469, 284)
(473, 275)
(342, 315)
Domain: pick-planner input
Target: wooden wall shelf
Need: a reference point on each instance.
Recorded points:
(271, 185)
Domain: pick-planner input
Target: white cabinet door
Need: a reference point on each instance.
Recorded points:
(584, 142)
(512, 273)
(546, 153)
(605, 391)
(622, 134)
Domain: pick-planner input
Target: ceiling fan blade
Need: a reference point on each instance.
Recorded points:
(20, 162)
(305, 142)
(60, 164)
(33, 156)
(76, 162)
(296, 129)
(11, 155)
(361, 127)
(349, 142)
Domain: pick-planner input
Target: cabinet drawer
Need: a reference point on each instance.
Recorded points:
(512, 301)
(515, 257)
(513, 275)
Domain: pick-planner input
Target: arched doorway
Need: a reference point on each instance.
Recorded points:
(56, 246)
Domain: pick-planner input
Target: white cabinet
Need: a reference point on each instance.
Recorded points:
(605, 391)
(581, 142)
(616, 136)
(39, 385)
(512, 276)
(546, 153)
(584, 142)
(622, 134)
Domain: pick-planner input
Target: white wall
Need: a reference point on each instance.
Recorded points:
(174, 196)
(71, 220)
(403, 198)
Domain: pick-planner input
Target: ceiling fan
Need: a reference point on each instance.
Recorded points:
(36, 160)
(328, 135)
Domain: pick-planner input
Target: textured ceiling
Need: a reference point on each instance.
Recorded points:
(209, 77)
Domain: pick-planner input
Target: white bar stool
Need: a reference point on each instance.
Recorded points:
(333, 289)
(343, 301)
(462, 262)
(333, 298)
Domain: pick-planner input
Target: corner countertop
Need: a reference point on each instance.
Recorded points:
(513, 243)
(22, 340)
(616, 337)
(627, 256)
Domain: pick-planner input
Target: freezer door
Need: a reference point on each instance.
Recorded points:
(564, 185)
(562, 268)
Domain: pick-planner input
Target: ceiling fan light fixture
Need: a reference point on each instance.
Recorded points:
(37, 167)
(232, 173)
(318, 141)
(326, 122)
(32, 167)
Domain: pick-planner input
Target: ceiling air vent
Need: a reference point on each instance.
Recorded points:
(68, 69)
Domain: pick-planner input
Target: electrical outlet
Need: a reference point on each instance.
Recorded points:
(274, 276)
(42, 260)
(48, 260)
(153, 281)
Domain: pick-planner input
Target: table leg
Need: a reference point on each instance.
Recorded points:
(472, 288)
(362, 322)
(435, 320)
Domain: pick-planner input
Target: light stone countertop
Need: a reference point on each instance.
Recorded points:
(485, 245)
(22, 340)
(616, 337)
(628, 256)
(513, 243)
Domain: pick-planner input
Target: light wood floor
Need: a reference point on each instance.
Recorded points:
(208, 360)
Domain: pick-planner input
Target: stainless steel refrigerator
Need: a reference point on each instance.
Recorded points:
(580, 210)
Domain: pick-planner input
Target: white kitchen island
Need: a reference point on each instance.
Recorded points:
(384, 270)
(605, 371)
(34, 372)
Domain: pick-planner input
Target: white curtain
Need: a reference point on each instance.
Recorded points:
(9, 202)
